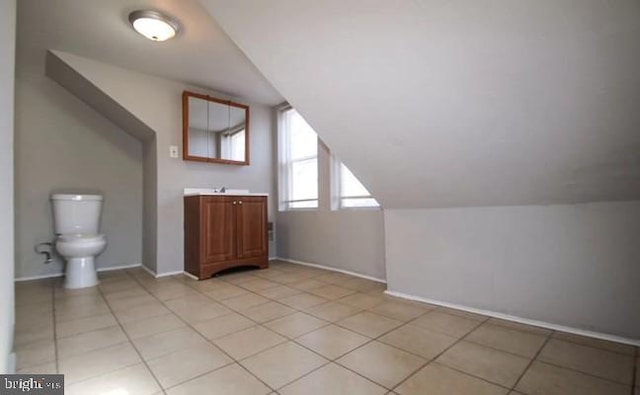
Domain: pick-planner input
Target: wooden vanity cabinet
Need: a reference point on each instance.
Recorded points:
(221, 232)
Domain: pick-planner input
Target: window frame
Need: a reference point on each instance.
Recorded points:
(336, 189)
(286, 164)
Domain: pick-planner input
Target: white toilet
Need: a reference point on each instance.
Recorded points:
(77, 220)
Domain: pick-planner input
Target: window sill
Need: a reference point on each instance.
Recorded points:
(358, 209)
(298, 209)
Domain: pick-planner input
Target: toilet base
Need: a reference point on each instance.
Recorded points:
(80, 273)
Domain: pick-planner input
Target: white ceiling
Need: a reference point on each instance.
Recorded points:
(201, 55)
(443, 103)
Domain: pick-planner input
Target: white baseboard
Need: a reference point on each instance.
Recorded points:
(527, 321)
(333, 269)
(151, 272)
(40, 277)
(108, 269)
(191, 276)
(167, 274)
(61, 274)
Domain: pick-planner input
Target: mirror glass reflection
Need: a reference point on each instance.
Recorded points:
(216, 130)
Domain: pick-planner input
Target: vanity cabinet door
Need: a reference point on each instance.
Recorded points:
(222, 232)
(218, 243)
(251, 222)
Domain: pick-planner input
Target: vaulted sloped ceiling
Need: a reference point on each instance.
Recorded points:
(443, 103)
(202, 55)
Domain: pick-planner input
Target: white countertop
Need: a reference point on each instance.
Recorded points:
(224, 194)
(213, 192)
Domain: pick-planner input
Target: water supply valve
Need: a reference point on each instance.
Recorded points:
(45, 249)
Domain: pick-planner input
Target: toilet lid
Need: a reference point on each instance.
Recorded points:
(80, 237)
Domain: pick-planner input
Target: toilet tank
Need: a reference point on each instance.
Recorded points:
(76, 213)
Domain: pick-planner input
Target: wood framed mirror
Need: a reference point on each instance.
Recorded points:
(214, 130)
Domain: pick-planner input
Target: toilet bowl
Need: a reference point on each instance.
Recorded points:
(79, 251)
(77, 220)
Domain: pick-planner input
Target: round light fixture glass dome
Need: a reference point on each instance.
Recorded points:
(154, 25)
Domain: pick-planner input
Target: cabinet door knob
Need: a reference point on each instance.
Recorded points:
(240, 202)
(234, 202)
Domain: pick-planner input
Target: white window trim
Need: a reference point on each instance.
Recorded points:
(284, 167)
(336, 193)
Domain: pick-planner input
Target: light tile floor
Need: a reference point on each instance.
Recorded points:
(292, 329)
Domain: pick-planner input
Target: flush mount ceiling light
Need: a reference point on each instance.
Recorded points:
(154, 25)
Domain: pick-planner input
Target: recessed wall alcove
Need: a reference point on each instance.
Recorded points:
(149, 108)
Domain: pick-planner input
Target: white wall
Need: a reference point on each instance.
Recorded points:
(156, 102)
(63, 145)
(7, 54)
(574, 265)
(350, 240)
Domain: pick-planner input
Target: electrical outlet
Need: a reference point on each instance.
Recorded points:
(173, 151)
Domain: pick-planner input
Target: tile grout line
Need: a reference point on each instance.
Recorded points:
(55, 337)
(552, 337)
(371, 340)
(584, 373)
(82, 333)
(592, 346)
(427, 361)
(432, 360)
(508, 352)
(329, 361)
(599, 348)
(549, 336)
(187, 324)
(261, 324)
(233, 360)
(147, 291)
(102, 295)
(360, 310)
(481, 322)
(535, 358)
(445, 334)
(89, 331)
(335, 360)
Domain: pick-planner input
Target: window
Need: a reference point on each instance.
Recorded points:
(349, 191)
(298, 162)
(300, 155)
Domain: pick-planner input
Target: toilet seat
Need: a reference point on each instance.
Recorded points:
(80, 245)
(81, 238)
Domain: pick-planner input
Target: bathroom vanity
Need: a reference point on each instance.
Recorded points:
(224, 230)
